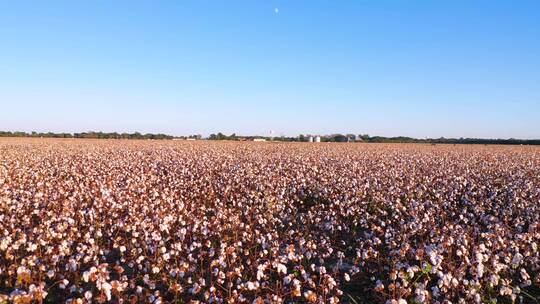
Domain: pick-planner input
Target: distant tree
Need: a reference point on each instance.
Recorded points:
(339, 138)
(364, 137)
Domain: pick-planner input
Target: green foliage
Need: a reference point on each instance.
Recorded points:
(427, 269)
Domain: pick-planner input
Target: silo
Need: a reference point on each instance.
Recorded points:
(317, 139)
(310, 139)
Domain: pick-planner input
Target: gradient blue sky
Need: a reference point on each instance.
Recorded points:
(414, 68)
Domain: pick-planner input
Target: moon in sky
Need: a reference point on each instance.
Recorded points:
(276, 10)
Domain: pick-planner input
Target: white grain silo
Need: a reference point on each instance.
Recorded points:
(310, 139)
(317, 139)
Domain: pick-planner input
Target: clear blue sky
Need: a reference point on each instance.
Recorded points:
(414, 68)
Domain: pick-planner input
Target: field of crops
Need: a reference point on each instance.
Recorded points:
(227, 222)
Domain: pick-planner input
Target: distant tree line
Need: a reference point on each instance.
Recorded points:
(301, 138)
(115, 135)
(442, 140)
(221, 136)
(90, 134)
(381, 139)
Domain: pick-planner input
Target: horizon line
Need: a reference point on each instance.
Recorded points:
(43, 134)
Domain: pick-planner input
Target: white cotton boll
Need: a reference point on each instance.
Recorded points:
(31, 248)
(516, 260)
(88, 295)
(480, 271)
(50, 274)
(86, 276)
(281, 269)
(63, 284)
(260, 275)
(21, 270)
(106, 288)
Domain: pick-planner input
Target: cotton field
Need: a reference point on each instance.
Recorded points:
(95, 221)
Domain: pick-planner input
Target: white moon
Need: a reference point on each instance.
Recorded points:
(276, 10)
